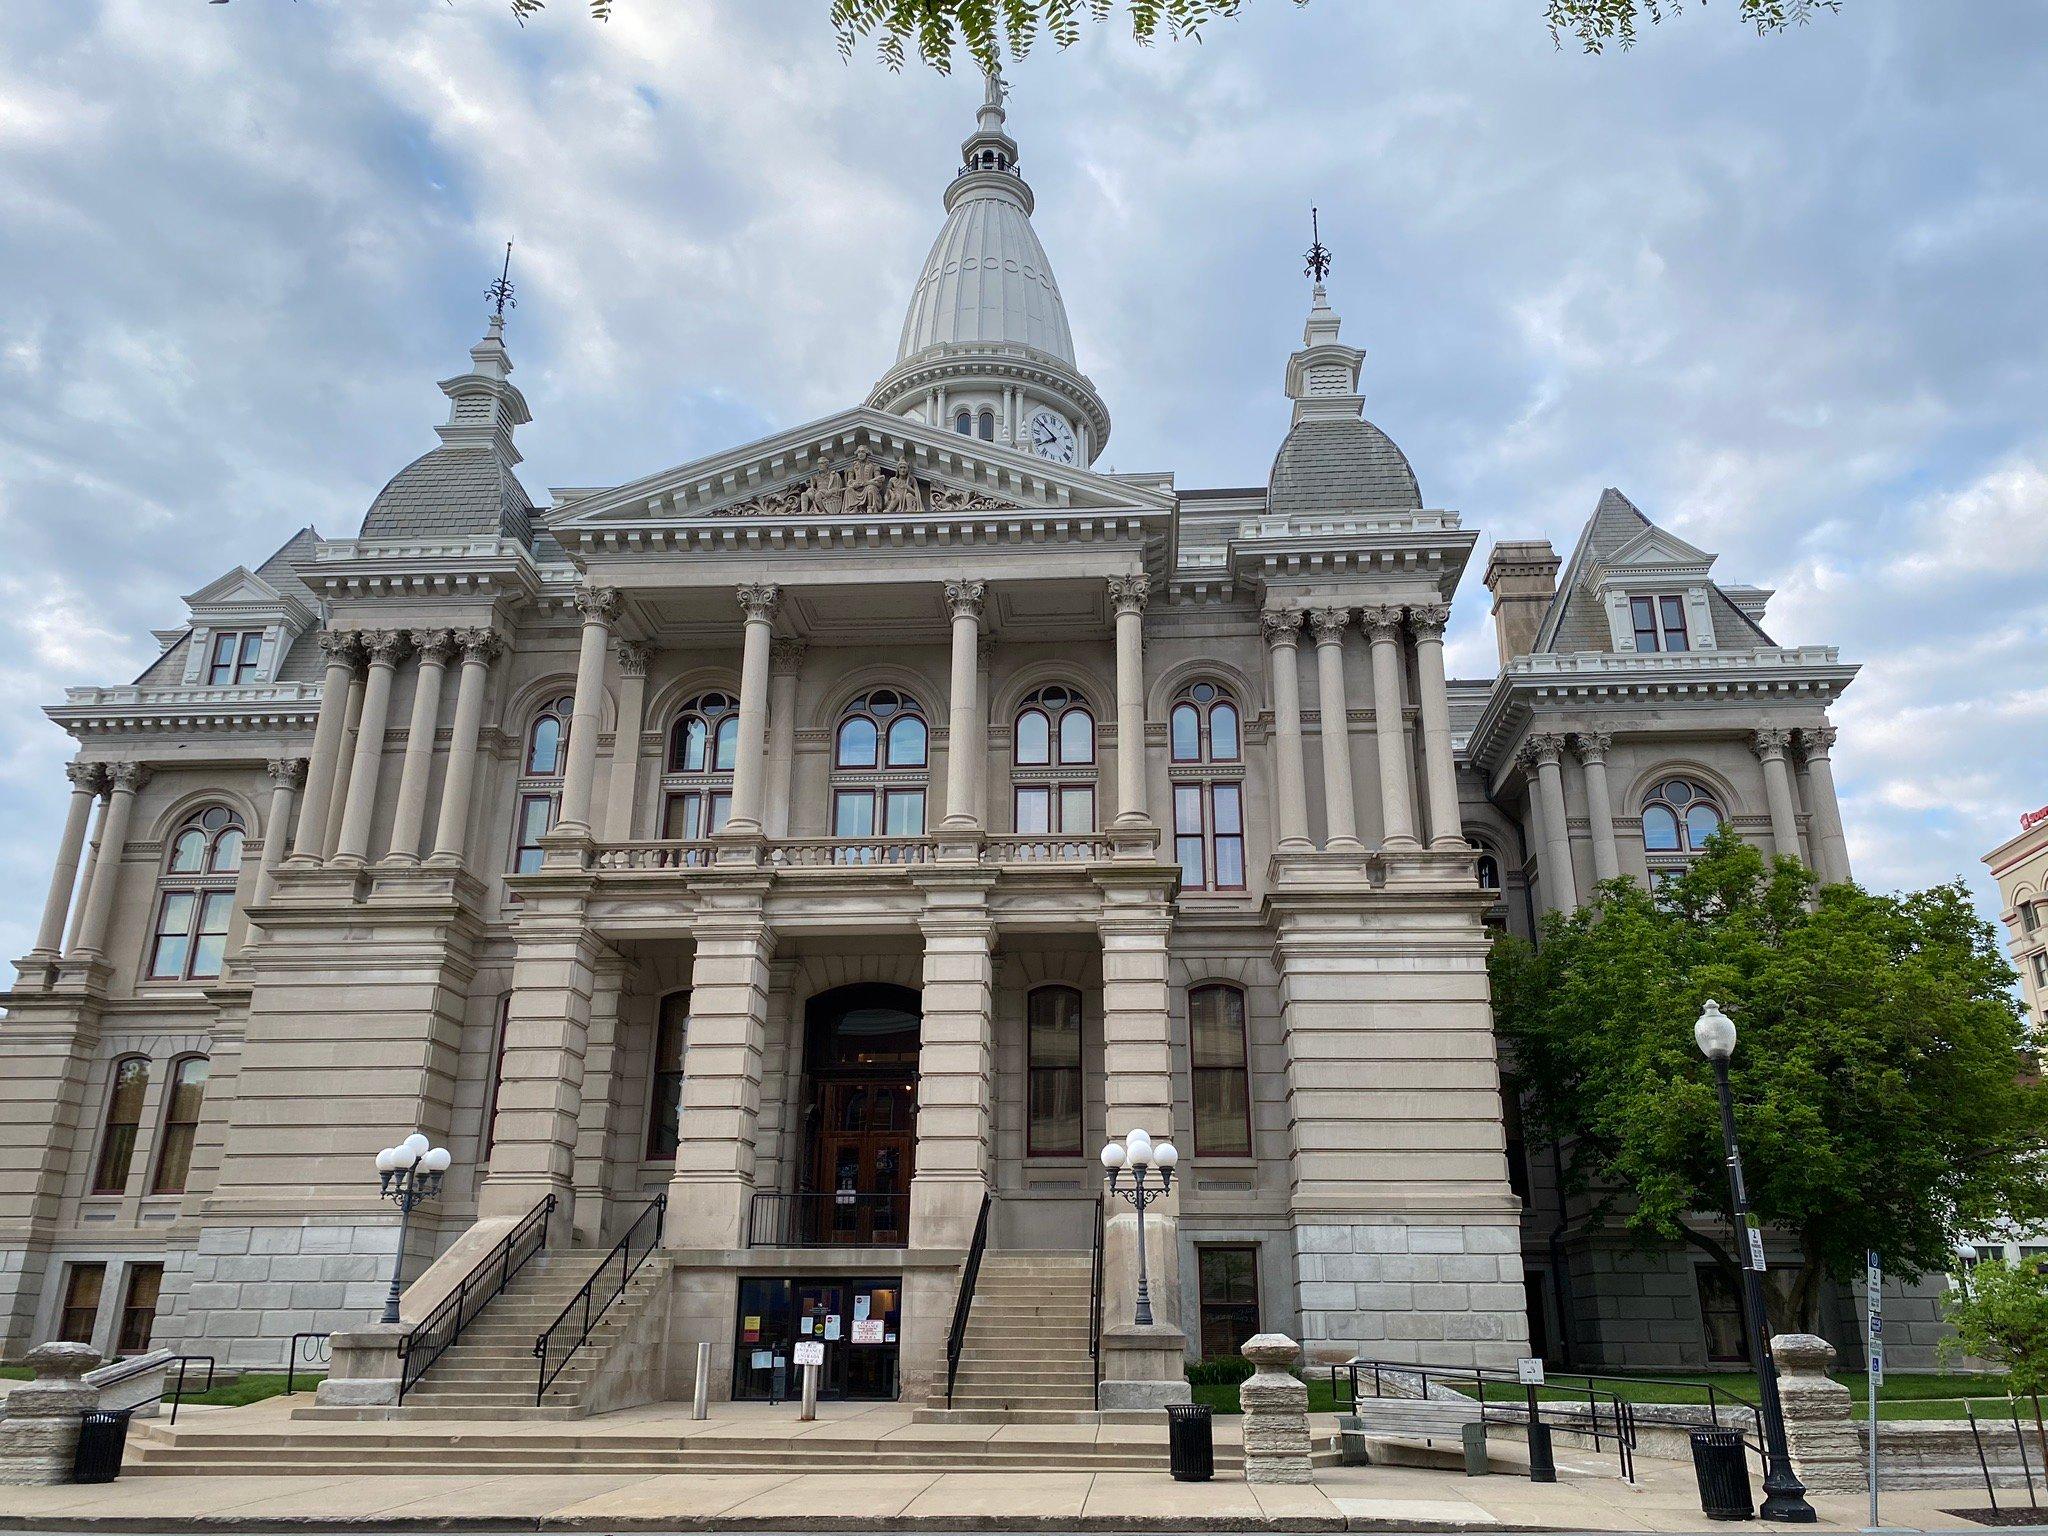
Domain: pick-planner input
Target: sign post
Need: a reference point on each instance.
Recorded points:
(810, 1354)
(1873, 1287)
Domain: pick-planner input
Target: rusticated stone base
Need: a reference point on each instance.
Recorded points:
(1275, 1404)
(39, 1436)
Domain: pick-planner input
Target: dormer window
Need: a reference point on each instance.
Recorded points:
(233, 657)
(1659, 623)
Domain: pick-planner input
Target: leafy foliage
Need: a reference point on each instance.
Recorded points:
(1596, 23)
(2001, 1315)
(1884, 1097)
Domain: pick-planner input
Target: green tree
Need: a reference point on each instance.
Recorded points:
(2000, 1314)
(1884, 1096)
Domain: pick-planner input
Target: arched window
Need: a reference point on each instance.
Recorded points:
(880, 753)
(1208, 810)
(196, 897)
(1205, 725)
(1053, 748)
(181, 1125)
(1679, 815)
(703, 745)
(988, 425)
(127, 1087)
(963, 423)
(665, 1088)
(540, 782)
(1053, 1125)
(1489, 872)
(1219, 1051)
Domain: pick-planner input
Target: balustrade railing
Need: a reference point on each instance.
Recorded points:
(692, 853)
(851, 852)
(1045, 849)
(828, 852)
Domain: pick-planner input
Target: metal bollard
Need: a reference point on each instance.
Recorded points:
(700, 1403)
(809, 1410)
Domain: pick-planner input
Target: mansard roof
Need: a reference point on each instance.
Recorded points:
(451, 492)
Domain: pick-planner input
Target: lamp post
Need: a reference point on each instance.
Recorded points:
(1140, 1156)
(407, 1174)
(1784, 1494)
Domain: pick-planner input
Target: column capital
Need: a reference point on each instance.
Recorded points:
(1770, 743)
(87, 776)
(786, 655)
(1542, 750)
(597, 604)
(759, 599)
(384, 646)
(1282, 626)
(1329, 624)
(633, 657)
(1429, 619)
(1382, 621)
(480, 645)
(1816, 741)
(1592, 746)
(342, 645)
(129, 776)
(1130, 594)
(965, 599)
(286, 772)
(438, 646)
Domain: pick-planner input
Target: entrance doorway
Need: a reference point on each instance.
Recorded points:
(856, 1319)
(860, 1067)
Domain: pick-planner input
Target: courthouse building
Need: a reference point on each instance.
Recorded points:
(837, 838)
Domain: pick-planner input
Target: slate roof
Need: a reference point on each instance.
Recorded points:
(451, 492)
(302, 662)
(1344, 465)
(1576, 621)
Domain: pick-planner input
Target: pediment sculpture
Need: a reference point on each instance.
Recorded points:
(864, 487)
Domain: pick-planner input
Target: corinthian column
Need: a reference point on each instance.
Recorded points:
(784, 658)
(620, 799)
(1592, 749)
(87, 780)
(1439, 768)
(343, 650)
(599, 606)
(353, 844)
(1770, 747)
(286, 775)
(758, 601)
(126, 780)
(1128, 596)
(1831, 847)
(1397, 810)
(966, 753)
(1340, 803)
(1542, 754)
(436, 649)
(451, 829)
(1283, 638)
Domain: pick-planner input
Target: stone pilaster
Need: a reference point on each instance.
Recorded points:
(623, 796)
(1591, 747)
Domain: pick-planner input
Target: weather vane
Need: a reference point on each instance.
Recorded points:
(500, 292)
(1318, 253)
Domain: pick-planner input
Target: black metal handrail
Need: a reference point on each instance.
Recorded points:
(828, 1218)
(963, 1304)
(1719, 1400)
(430, 1339)
(584, 1303)
(1095, 1294)
(321, 1353)
(1620, 1411)
(142, 1365)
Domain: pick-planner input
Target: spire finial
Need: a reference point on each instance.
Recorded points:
(500, 291)
(1318, 254)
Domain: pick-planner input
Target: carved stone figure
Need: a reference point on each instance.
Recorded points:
(863, 496)
(824, 495)
(902, 499)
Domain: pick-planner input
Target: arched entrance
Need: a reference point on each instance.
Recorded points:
(860, 1116)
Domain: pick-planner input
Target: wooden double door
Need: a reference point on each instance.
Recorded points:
(862, 1156)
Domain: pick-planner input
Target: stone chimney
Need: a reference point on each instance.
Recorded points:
(1522, 576)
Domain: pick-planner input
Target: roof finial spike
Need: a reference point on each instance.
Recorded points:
(1318, 254)
(500, 291)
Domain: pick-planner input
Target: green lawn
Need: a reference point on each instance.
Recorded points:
(250, 1387)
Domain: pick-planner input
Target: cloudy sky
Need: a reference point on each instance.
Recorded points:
(1789, 294)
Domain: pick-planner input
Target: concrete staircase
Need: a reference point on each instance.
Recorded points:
(1025, 1359)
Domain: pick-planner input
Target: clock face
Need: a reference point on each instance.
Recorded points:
(1052, 438)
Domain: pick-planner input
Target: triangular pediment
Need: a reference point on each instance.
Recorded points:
(860, 464)
(239, 586)
(1654, 546)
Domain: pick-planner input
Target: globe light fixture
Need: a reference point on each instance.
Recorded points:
(1143, 1158)
(408, 1174)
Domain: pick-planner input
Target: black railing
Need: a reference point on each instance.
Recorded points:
(963, 1304)
(430, 1339)
(584, 1311)
(1501, 1397)
(1095, 1293)
(142, 1365)
(828, 1219)
(312, 1348)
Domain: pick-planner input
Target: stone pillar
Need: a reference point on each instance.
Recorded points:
(351, 729)
(1770, 747)
(39, 1435)
(966, 749)
(1541, 755)
(1826, 1447)
(599, 606)
(1339, 802)
(1128, 596)
(451, 828)
(784, 658)
(286, 775)
(342, 651)
(86, 782)
(353, 845)
(1275, 1409)
(126, 779)
(1283, 638)
(758, 601)
(436, 649)
(1591, 747)
(956, 1062)
(1830, 846)
(1397, 811)
(723, 1055)
(1439, 767)
(984, 683)
(92, 860)
(622, 799)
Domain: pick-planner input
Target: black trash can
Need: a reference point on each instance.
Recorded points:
(1721, 1463)
(1190, 1442)
(102, 1438)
